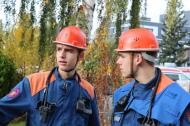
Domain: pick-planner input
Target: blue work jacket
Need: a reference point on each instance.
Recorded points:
(171, 106)
(63, 94)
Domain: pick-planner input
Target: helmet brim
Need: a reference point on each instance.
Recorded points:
(66, 43)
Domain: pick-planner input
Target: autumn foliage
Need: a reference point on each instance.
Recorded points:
(29, 45)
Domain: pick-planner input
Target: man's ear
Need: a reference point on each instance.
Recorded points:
(139, 58)
(81, 55)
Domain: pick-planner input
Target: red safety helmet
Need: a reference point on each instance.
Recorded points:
(138, 39)
(72, 36)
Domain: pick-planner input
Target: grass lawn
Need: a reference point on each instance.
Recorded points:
(21, 123)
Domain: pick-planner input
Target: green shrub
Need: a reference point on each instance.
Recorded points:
(7, 74)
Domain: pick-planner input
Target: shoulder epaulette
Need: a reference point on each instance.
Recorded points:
(88, 87)
(38, 81)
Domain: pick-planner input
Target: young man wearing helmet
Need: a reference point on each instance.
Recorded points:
(151, 98)
(59, 97)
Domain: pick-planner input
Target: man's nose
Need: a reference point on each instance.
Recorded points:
(63, 54)
(117, 61)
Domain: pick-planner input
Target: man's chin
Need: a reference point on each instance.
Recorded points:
(65, 69)
(62, 69)
(126, 76)
(123, 75)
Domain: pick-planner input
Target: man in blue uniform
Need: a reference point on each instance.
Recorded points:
(151, 98)
(59, 97)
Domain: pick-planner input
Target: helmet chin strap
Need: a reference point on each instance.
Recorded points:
(131, 66)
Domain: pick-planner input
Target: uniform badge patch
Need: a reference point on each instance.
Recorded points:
(14, 93)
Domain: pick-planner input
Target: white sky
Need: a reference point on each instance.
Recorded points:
(154, 8)
(157, 7)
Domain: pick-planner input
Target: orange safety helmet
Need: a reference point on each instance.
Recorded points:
(138, 39)
(72, 36)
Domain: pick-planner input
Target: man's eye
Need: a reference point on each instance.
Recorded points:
(120, 56)
(58, 49)
(69, 50)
